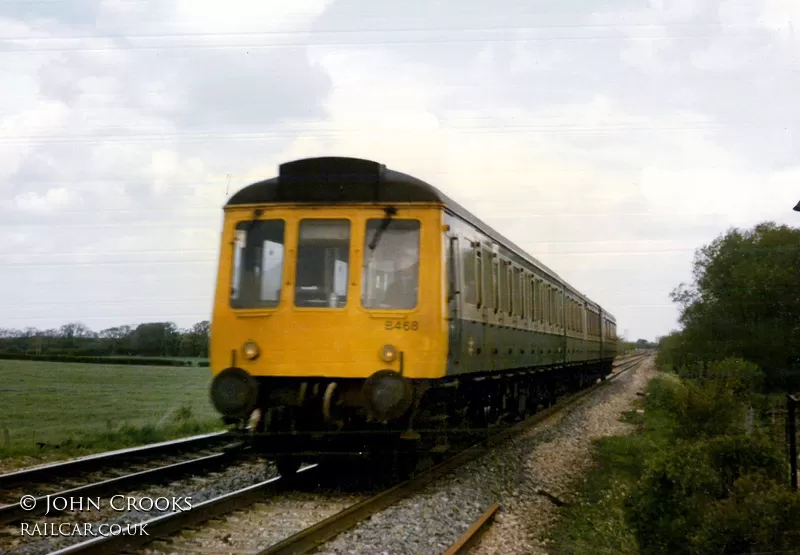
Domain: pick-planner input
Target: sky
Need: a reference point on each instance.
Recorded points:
(610, 140)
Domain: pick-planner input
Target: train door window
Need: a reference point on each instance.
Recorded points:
(531, 298)
(568, 310)
(452, 267)
(503, 287)
(471, 271)
(488, 283)
(572, 314)
(545, 307)
(323, 260)
(390, 275)
(514, 288)
(258, 251)
(548, 315)
(556, 296)
(523, 286)
(495, 288)
(542, 302)
(547, 303)
(509, 288)
(510, 278)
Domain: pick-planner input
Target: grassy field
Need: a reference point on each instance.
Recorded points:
(53, 409)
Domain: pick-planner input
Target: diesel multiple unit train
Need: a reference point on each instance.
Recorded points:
(356, 304)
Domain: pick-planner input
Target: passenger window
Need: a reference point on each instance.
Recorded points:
(532, 295)
(471, 262)
(510, 279)
(257, 264)
(503, 287)
(488, 278)
(390, 276)
(323, 262)
(546, 295)
(496, 284)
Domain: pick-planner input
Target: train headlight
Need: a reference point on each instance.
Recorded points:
(388, 395)
(388, 353)
(250, 350)
(234, 392)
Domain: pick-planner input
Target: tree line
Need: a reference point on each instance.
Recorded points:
(154, 339)
(744, 303)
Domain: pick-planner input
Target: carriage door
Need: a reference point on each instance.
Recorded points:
(453, 298)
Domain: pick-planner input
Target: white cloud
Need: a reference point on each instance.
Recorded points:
(50, 201)
(610, 146)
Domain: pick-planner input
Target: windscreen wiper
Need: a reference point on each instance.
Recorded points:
(390, 211)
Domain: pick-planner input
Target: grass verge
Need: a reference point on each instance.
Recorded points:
(57, 410)
(597, 522)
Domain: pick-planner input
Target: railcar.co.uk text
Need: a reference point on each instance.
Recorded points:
(53, 504)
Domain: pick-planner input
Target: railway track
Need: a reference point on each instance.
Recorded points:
(341, 511)
(111, 471)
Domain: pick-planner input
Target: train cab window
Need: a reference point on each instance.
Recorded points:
(323, 260)
(257, 264)
(390, 277)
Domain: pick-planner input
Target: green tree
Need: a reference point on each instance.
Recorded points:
(745, 302)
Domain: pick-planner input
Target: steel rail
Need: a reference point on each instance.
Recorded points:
(314, 536)
(99, 460)
(472, 536)
(323, 531)
(170, 523)
(14, 512)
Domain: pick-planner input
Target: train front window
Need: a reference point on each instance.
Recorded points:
(323, 260)
(390, 278)
(257, 264)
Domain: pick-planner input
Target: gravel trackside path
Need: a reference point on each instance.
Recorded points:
(527, 476)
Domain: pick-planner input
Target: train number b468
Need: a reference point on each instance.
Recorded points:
(402, 325)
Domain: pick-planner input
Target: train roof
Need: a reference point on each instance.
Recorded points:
(344, 180)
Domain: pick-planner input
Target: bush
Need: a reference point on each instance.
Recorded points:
(677, 505)
(738, 375)
(708, 410)
(759, 515)
(694, 409)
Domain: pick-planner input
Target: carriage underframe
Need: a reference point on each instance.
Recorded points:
(311, 420)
